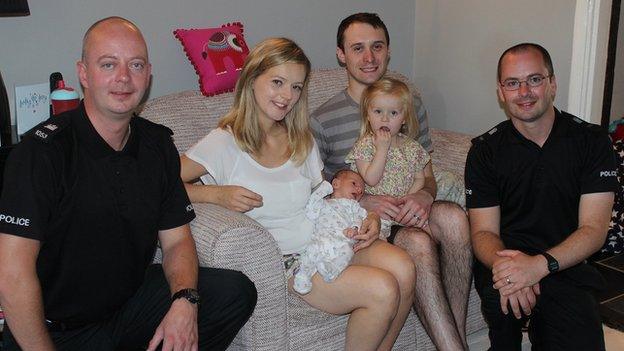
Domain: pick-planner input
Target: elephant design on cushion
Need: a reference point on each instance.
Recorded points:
(224, 44)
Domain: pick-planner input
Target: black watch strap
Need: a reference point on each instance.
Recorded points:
(553, 264)
(192, 295)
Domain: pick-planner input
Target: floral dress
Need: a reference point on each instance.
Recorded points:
(402, 163)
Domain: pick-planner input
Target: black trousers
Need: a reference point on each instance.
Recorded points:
(227, 301)
(565, 317)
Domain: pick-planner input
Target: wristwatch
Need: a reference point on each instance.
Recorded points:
(553, 264)
(191, 295)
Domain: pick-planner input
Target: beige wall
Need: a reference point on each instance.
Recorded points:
(617, 101)
(450, 48)
(49, 39)
(457, 48)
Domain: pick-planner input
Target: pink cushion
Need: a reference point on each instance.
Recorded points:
(217, 54)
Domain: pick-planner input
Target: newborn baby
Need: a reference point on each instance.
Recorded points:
(330, 251)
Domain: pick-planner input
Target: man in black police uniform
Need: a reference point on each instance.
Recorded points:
(539, 191)
(87, 195)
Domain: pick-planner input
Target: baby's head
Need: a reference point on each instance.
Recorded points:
(347, 184)
(388, 104)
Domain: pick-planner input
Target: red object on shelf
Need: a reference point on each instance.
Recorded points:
(619, 133)
(64, 99)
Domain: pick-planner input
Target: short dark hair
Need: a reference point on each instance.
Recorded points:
(526, 47)
(362, 17)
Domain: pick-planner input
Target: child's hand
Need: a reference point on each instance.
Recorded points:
(382, 139)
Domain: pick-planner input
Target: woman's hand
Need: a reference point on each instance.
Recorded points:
(237, 198)
(368, 233)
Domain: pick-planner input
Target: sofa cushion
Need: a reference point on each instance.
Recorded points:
(217, 54)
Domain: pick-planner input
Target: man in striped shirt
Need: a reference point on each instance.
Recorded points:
(443, 259)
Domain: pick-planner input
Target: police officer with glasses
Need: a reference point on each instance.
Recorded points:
(540, 188)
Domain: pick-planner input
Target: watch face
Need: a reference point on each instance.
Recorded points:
(553, 265)
(193, 296)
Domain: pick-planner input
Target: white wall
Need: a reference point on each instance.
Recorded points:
(457, 46)
(49, 39)
(617, 101)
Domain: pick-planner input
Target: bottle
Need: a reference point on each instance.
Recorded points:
(64, 98)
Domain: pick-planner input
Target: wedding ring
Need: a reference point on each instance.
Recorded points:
(508, 280)
(417, 217)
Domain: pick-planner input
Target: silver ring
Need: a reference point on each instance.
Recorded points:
(508, 280)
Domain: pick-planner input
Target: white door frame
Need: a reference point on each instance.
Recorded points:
(589, 58)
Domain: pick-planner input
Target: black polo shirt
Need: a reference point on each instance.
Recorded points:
(96, 211)
(539, 189)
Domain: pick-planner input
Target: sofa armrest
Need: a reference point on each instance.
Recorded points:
(228, 239)
(231, 240)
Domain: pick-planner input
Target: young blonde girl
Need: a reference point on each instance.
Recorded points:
(386, 155)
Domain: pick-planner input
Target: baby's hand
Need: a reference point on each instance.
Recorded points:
(350, 232)
(382, 139)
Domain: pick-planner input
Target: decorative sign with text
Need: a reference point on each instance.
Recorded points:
(32, 105)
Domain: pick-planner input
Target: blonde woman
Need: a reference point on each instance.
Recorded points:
(265, 163)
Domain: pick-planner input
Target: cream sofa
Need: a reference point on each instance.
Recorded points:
(232, 240)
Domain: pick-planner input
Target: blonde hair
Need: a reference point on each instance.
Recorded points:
(396, 88)
(242, 117)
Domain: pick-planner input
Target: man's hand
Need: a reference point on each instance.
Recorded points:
(387, 207)
(237, 198)
(415, 209)
(517, 272)
(520, 301)
(178, 330)
(368, 233)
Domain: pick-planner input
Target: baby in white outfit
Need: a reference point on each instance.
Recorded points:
(330, 251)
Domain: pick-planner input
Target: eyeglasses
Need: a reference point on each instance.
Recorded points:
(532, 81)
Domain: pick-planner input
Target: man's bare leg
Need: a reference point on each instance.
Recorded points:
(441, 299)
(451, 230)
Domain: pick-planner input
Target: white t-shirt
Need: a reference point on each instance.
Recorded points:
(285, 189)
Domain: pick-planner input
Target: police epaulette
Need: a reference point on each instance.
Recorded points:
(44, 131)
(483, 137)
(590, 126)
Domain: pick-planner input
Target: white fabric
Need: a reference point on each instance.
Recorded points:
(285, 189)
(330, 251)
